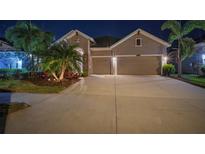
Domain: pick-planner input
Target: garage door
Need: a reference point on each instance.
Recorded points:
(102, 65)
(140, 65)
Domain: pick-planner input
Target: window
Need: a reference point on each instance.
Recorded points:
(138, 42)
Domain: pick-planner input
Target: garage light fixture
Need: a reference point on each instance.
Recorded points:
(165, 58)
(114, 59)
(114, 63)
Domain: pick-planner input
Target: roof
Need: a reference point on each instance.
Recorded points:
(72, 33)
(4, 46)
(201, 44)
(200, 47)
(143, 33)
(105, 41)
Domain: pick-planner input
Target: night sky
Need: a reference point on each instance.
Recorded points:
(96, 28)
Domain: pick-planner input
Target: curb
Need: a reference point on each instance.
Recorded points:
(72, 87)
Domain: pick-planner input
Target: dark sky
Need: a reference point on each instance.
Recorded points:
(95, 28)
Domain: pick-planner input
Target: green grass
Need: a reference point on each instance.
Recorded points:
(192, 78)
(26, 86)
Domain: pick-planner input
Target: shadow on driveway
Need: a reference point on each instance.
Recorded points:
(5, 100)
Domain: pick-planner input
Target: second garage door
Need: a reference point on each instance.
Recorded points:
(139, 65)
(102, 65)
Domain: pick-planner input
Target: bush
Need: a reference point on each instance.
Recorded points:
(85, 73)
(5, 76)
(203, 69)
(6, 73)
(168, 69)
(11, 71)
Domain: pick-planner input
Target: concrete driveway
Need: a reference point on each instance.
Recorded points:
(114, 104)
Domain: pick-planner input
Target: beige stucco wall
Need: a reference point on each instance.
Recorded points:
(85, 45)
(101, 52)
(149, 46)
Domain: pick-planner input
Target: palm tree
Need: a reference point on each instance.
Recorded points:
(178, 32)
(28, 37)
(59, 58)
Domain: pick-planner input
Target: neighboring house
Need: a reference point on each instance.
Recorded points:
(10, 58)
(193, 63)
(139, 53)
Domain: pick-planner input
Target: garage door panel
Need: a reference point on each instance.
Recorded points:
(101, 65)
(142, 65)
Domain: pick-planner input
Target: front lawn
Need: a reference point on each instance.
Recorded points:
(30, 87)
(193, 78)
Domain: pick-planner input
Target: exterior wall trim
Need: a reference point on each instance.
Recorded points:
(151, 55)
(72, 33)
(139, 55)
(101, 49)
(102, 56)
(128, 55)
(138, 46)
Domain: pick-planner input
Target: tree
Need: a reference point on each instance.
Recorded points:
(59, 58)
(179, 32)
(28, 37)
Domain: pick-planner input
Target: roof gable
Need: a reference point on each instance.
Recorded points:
(73, 33)
(4, 46)
(143, 33)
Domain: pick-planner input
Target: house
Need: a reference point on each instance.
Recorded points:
(4, 46)
(10, 58)
(192, 64)
(138, 53)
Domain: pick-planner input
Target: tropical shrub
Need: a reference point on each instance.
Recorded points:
(168, 69)
(60, 58)
(179, 32)
(24, 35)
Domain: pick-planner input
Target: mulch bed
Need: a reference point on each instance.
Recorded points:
(64, 83)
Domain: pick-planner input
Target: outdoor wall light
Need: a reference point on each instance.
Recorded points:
(165, 59)
(114, 63)
(203, 58)
(114, 59)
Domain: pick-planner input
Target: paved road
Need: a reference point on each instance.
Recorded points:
(109, 104)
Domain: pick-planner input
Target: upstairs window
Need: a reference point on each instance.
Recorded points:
(138, 42)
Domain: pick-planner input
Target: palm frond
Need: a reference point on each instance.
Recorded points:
(173, 26)
(189, 26)
(187, 47)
